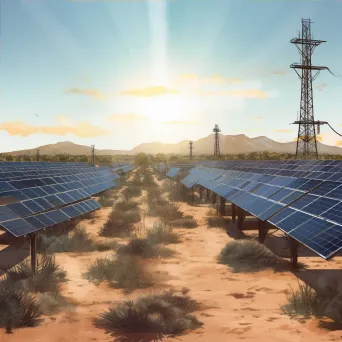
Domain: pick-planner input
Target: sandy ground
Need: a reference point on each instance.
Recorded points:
(238, 306)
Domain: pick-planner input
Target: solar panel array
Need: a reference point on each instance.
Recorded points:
(302, 198)
(173, 171)
(41, 195)
(125, 168)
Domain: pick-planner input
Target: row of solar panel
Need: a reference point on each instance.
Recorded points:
(18, 226)
(286, 202)
(81, 172)
(173, 171)
(14, 166)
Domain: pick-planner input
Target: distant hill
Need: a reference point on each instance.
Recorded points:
(228, 144)
(65, 147)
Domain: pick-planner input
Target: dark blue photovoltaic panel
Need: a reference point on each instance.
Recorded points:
(35, 222)
(48, 189)
(335, 194)
(71, 211)
(30, 193)
(297, 183)
(281, 215)
(319, 206)
(7, 214)
(325, 188)
(20, 209)
(76, 195)
(39, 191)
(44, 203)
(54, 200)
(65, 197)
(293, 221)
(281, 194)
(310, 184)
(334, 214)
(45, 220)
(295, 195)
(18, 227)
(310, 228)
(33, 206)
(57, 216)
(270, 211)
(4, 186)
(259, 206)
(304, 201)
(17, 195)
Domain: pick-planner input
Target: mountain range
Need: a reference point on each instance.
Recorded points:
(229, 144)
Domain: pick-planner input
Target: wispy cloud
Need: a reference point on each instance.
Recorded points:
(150, 91)
(181, 122)
(82, 129)
(214, 79)
(83, 79)
(321, 86)
(87, 92)
(279, 72)
(258, 118)
(339, 143)
(130, 117)
(248, 93)
(283, 131)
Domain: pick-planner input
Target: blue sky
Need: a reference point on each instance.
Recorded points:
(120, 73)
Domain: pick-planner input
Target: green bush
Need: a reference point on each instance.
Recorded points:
(122, 271)
(119, 223)
(144, 248)
(250, 255)
(160, 234)
(165, 314)
(77, 240)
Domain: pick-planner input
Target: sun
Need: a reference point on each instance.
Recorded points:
(165, 108)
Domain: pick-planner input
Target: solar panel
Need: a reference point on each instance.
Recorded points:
(20, 209)
(18, 227)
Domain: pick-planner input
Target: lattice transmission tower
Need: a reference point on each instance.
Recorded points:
(216, 130)
(92, 154)
(191, 148)
(306, 140)
(37, 155)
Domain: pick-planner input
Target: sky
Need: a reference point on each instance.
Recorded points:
(117, 73)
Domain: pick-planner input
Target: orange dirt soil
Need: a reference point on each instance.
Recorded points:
(238, 306)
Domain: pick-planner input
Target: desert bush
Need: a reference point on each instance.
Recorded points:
(216, 221)
(170, 212)
(123, 205)
(77, 240)
(120, 223)
(18, 308)
(179, 194)
(131, 191)
(211, 212)
(163, 314)
(250, 255)
(106, 201)
(47, 278)
(144, 248)
(160, 234)
(136, 180)
(185, 223)
(121, 271)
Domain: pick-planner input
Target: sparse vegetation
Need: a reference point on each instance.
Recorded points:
(77, 240)
(25, 296)
(165, 314)
(216, 221)
(185, 223)
(124, 205)
(160, 234)
(250, 255)
(122, 271)
(144, 248)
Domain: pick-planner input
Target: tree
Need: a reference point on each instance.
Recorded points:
(141, 159)
(9, 158)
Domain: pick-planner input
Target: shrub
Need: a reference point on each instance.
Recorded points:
(47, 278)
(131, 216)
(144, 248)
(170, 212)
(185, 223)
(160, 234)
(121, 271)
(131, 191)
(18, 308)
(215, 221)
(119, 224)
(164, 314)
(250, 255)
(76, 241)
(122, 205)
